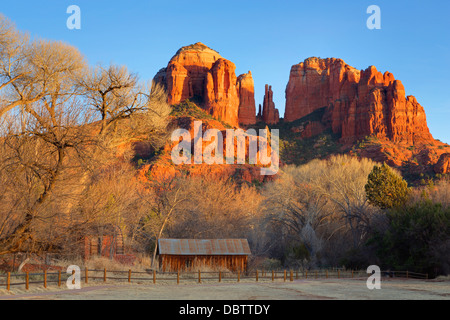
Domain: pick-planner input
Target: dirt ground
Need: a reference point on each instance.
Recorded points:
(317, 289)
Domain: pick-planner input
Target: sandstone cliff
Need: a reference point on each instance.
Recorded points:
(327, 94)
(221, 98)
(247, 105)
(358, 103)
(200, 73)
(443, 164)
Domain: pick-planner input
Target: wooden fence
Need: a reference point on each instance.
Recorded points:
(25, 279)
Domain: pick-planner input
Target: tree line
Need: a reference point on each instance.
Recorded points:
(58, 122)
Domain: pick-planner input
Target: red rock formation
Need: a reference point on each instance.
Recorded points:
(199, 72)
(358, 103)
(247, 105)
(164, 168)
(309, 129)
(259, 115)
(187, 71)
(270, 114)
(443, 164)
(221, 96)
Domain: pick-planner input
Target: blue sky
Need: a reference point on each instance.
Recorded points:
(266, 37)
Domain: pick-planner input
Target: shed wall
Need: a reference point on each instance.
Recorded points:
(171, 263)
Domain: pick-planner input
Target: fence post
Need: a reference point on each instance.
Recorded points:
(199, 276)
(27, 281)
(178, 276)
(45, 279)
(256, 275)
(220, 276)
(104, 275)
(284, 277)
(273, 276)
(129, 275)
(407, 274)
(154, 276)
(86, 276)
(292, 276)
(59, 278)
(8, 281)
(239, 276)
(306, 274)
(296, 274)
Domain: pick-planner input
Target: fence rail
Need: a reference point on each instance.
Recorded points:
(44, 278)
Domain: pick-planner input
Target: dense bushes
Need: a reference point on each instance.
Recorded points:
(320, 207)
(416, 239)
(351, 212)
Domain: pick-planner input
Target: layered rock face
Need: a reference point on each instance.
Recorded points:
(270, 114)
(187, 71)
(247, 105)
(200, 73)
(221, 98)
(358, 103)
(443, 165)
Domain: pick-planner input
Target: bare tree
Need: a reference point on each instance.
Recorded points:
(216, 208)
(113, 93)
(439, 192)
(109, 197)
(49, 137)
(161, 199)
(46, 132)
(30, 71)
(14, 69)
(151, 124)
(298, 208)
(342, 178)
(321, 201)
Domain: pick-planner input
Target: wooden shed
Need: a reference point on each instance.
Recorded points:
(103, 241)
(193, 254)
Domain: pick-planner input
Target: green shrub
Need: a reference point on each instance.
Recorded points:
(386, 189)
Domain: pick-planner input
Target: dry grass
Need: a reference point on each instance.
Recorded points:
(442, 278)
(142, 263)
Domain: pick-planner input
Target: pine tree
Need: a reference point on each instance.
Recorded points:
(386, 189)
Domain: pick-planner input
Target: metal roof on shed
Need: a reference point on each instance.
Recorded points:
(204, 247)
